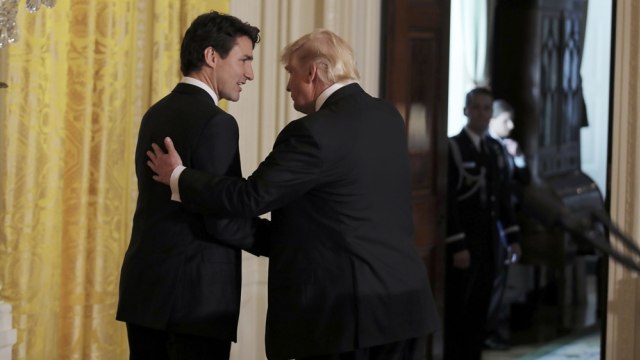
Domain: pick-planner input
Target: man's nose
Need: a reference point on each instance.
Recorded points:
(249, 73)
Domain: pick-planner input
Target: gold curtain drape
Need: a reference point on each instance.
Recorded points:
(80, 77)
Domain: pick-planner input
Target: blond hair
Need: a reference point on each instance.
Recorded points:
(331, 54)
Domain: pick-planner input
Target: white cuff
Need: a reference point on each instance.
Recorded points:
(455, 237)
(511, 229)
(173, 183)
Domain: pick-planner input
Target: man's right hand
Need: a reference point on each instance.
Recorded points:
(163, 163)
(462, 259)
(511, 146)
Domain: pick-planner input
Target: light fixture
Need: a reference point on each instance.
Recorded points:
(9, 13)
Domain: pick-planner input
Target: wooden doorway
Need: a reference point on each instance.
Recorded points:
(414, 78)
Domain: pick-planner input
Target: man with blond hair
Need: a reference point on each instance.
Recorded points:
(345, 281)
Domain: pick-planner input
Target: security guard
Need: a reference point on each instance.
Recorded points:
(479, 211)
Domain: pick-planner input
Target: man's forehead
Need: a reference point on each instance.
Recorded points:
(243, 41)
(481, 99)
(245, 52)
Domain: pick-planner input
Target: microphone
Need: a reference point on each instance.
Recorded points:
(585, 224)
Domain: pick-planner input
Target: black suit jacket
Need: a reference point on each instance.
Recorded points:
(473, 210)
(343, 270)
(179, 272)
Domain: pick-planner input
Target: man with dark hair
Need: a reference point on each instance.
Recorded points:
(478, 203)
(517, 176)
(180, 279)
(345, 280)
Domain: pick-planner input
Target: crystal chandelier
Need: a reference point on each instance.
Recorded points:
(8, 14)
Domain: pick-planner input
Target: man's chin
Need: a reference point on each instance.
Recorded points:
(301, 109)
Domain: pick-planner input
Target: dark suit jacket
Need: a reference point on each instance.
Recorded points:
(179, 272)
(519, 177)
(343, 270)
(474, 214)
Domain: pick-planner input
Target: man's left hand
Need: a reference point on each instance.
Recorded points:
(163, 163)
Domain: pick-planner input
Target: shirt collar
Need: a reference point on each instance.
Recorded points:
(195, 82)
(329, 91)
(494, 135)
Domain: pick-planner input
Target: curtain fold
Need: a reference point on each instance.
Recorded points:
(80, 77)
(468, 55)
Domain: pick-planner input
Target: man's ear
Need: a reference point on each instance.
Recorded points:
(312, 71)
(465, 111)
(210, 57)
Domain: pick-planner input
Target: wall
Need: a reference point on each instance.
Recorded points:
(596, 60)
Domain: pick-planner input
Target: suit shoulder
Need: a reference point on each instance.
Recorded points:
(186, 102)
(457, 138)
(222, 121)
(304, 123)
(189, 110)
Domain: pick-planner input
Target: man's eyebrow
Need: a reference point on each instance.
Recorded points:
(248, 57)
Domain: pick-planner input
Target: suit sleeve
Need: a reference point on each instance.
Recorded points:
(520, 180)
(291, 169)
(456, 239)
(507, 213)
(216, 152)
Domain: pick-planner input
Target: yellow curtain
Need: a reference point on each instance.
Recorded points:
(80, 77)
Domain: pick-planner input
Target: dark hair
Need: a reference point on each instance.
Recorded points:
(477, 91)
(501, 106)
(214, 29)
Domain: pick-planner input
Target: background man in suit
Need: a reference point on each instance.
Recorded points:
(517, 177)
(500, 128)
(180, 279)
(345, 281)
(478, 203)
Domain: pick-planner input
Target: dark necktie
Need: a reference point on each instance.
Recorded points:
(484, 154)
